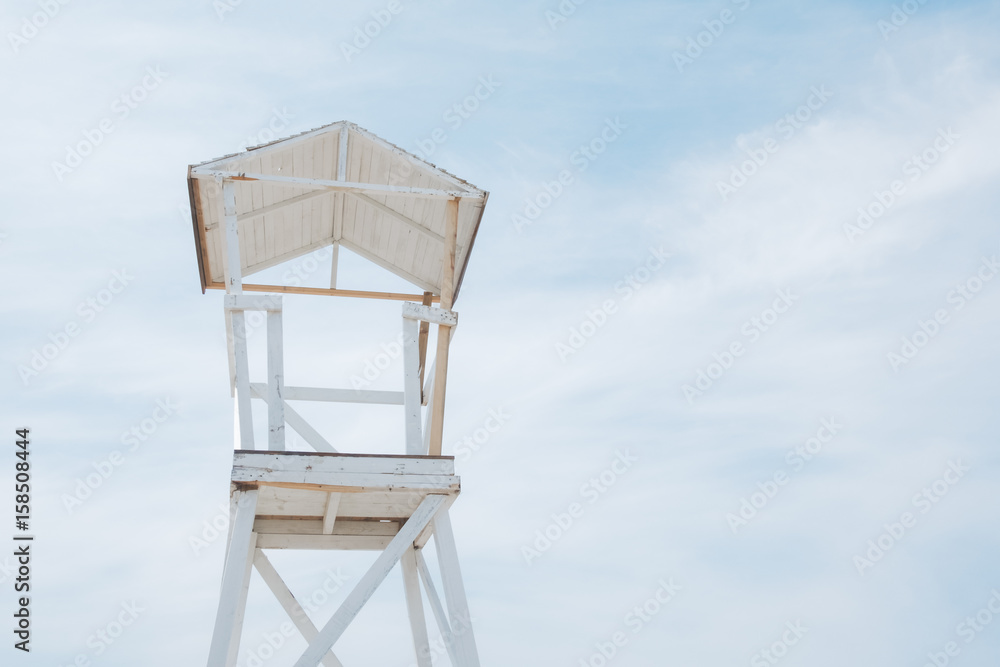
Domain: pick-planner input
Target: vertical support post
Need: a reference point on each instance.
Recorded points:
(430, 411)
(330, 514)
(239, 334)
(275, 382)
(230, 348)
(444, 333)
(342, 155)
(454, 591)
(233, 265)
(234, 285)
(425, 328)
(339, 200)
(415, 607)
(334, 254)
(411, 386)
(229, 618)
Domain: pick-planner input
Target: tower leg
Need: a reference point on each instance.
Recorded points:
(439, 613)
(454, 592)
(241, 603)
(415, 607)
(235, 582)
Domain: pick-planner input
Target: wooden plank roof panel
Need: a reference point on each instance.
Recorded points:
(370, 225)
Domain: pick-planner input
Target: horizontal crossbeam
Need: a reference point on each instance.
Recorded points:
(415, 311)
(343, 395)
(270, 302)
(326, 291)
(337, 186)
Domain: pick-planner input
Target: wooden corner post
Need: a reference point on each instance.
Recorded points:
(444, 332)
(240, 364)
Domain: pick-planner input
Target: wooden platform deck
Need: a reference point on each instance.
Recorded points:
(339, 501)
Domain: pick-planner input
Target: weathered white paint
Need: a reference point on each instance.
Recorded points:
(365, 588)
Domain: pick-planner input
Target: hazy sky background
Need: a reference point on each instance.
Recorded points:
(213, 78)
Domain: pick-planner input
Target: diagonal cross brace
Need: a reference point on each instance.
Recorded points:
(439, 613)
(366, 587)
(290, 604)
(296, 421)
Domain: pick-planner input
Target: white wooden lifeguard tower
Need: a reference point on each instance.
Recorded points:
(339, 185)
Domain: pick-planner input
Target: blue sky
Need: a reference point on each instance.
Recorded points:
(704, 166)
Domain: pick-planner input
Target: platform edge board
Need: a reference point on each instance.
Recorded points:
(341, 463)
(261, 452)
(349, 483)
